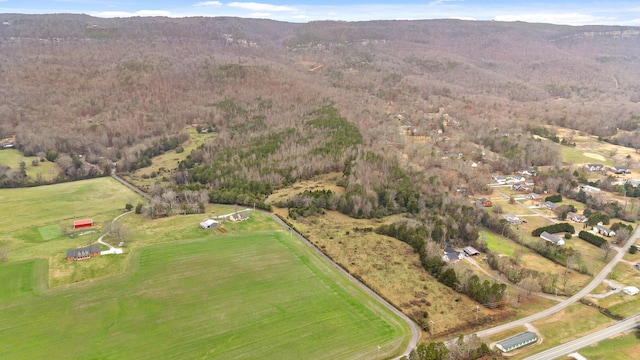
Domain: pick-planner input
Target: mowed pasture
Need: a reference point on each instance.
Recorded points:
(241, 296)
(37, 221)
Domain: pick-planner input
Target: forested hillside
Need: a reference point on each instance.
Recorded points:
(291, 101)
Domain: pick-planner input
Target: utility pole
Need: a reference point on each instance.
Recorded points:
(477, 312)
(433, 327)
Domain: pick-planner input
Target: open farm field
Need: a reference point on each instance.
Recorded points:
(242, 296)
(38, 221)
(46, 170)
(622, 347)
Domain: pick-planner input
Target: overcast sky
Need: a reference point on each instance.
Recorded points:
(543, 11)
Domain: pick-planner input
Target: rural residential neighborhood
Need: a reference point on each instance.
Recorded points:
(245, 188)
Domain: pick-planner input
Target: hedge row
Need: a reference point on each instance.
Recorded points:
(591, 238)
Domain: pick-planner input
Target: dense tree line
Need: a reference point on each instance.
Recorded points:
(592, 238)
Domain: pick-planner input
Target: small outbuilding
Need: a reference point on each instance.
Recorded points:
(517, 341)
(470, 251)
(209, 223)
(631, 290)
(79, 224)
(484, 202)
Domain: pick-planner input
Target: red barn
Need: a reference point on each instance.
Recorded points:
(79, 224)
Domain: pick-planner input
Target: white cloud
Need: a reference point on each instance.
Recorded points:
(209, 4)
(553, 18)
(123, 14)
(258, 7)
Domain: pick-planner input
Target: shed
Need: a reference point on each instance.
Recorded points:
(78, 224)
(630, 290)
(517, 341)
(470, 251)
(554, 239)
(484, 202)
(209, 223)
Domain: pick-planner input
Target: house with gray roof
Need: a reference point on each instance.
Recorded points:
(83, 253)
(554, 239)
(577, 217)
(600, 229)
(452, 255)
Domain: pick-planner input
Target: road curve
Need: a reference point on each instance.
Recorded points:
(415, 330)
(560, 350)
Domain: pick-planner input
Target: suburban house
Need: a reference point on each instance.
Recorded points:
(534, 197)
(575, 217)
(620, 170)
(517, 341)
(484, 202)
(527, 171)
(470, 251)
(554, 239)
(589, 188)
(519, 187)
(452, 255)
(209, 223)
(83, 253)
(550, 205)
(594, 167)
(603, 230)
(512, 219)
(239, 216)
(515, 179)
(500, 179)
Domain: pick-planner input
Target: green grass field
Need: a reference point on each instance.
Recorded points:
(178, 291)
(12, 158)
(622, 347)
(34, 220)
(241, 296)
